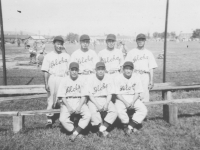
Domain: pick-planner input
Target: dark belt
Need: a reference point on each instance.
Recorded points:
(73, 97)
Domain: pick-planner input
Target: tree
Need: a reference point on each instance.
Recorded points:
(72, 37)
(196, 33)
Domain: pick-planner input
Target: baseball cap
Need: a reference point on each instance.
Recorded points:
(84, 37)
(141, 36)
(100, 64)
(74, 65)
(128, 63)
(58, 38)
(111, 37)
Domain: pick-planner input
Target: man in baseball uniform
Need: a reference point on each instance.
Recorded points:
(113, 58)
(144, 64)
(72, 92)
(55, 67)
(128, 87)
(85, 57)
(101, 88)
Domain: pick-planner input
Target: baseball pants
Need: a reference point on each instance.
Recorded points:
(96, 116)
(68, 124)
(53, 82)
(139, 107)
(145, 84)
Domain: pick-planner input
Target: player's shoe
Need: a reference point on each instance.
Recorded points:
(104, 134)
(73, 137)
(127, 131)
(49, 123)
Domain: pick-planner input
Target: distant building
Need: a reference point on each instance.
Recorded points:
(185, 36)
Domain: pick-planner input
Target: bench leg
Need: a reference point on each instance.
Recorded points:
(18, 123)
(170, 114)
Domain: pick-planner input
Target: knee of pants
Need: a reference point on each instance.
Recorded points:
(95, 119)
(87, 115)
(123, 116)
(145, 111)
(62, 119)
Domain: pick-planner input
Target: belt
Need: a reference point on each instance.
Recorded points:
(73, 97)
(141, 71)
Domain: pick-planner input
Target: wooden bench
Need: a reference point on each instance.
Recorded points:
(170, 109)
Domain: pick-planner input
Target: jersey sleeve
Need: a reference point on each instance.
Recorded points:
(111, 86)
(84, 87)
(152, 61)
(116, 82)
(138, 86)
(128, 57)
(62, 88)
(121, 58)
(45, 64)
(96, 59)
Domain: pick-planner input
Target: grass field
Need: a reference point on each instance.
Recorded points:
(183, 65)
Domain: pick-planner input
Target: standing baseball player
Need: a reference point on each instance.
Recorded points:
(113, 58)
(55, 67)
(128, 87)
(72, 92)
(85, 57)
(101, 89)
(144, 64)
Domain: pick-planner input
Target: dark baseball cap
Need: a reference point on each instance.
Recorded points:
(84, 37)
(58, 38)
(74, 65)
(111, 37)
(141, 36)
(100, 64)
(128, 63)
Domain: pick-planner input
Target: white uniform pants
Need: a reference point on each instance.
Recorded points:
(53, 82)
(68, 124)
(138, 116)
(96, 116)
(145, 84)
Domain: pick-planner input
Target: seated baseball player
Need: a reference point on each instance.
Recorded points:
(128, 87)
(72, 93)
(101, 88)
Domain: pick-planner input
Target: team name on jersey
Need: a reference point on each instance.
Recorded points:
(56, 62)
(139, 58)
(100, 87)
(84, 60)
(71, 89)
(109, 60)
(127, 88)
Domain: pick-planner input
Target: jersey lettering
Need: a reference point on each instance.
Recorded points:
(84, 60)
(139, 58)
(56, 62)
(71, 89)
(100, 88)
(108, 60)
(127, 88)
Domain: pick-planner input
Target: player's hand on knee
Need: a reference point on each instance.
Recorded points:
(99, 108)
(151, 84)
(128, 105)
(70, 110)
(47, 88)
(105, 108)
(78, 110)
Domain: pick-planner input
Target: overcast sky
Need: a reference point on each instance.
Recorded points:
(96, 17)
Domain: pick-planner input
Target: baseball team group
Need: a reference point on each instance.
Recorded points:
(98, 87)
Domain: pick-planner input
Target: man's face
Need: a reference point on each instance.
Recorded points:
(128, 70)
(140, 42)
(85, 44)
(100, 71)
(110, 43)
(74, 73)
(58, 46)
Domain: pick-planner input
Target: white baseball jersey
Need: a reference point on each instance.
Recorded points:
(113, 59)
(142, 59)
(56, 64)
(102, 87)
(126, 86)
(86, 60)
(72, 88)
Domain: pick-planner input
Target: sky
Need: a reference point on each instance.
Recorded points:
(99, 17)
